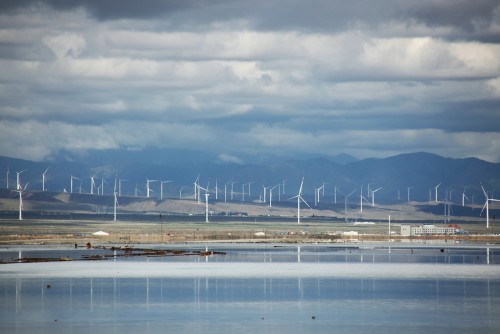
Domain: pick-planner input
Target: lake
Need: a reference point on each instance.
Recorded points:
(254, 288)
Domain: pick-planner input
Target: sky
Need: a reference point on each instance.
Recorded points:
(246, 78)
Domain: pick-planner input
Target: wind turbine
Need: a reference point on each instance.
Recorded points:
(161, 188)
(299, 198)
(243, 185)
(120, 187)
(8, 171)
(18, 181)
(464, 197)
(361, 198)
(92, 185)
(115, 204)
(225, 191)
(180, 192)
(409, 188)
(265, 193)
(249, 190)
(206, 207)
(271, 195)
(373, 195)
(345, 203)
(486, 205)
(284, 181)
(20, 191)
(316, 194)
(368, 191)
(102, 185)
(43, 179)
(216, 190)
(196, 188)
(206, 201)
(148, 188)
(232, 188)
(335, 194)
(71, 183)
(436, 192)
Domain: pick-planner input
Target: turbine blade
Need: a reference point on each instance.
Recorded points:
(303, 200)
(301, 184)
(484, 191)
(484, 206)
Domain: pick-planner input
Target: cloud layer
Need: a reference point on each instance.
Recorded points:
(239, 78)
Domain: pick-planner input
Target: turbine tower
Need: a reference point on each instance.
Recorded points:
(373, 195)
(345, 203)
(43, 179)
(249, 192)
(120, 187)
(361, 198)
(71, 183)
(20, 191)
(316, 194)
(148, 188)
(409, 188)
(92, 185)
(436, 192)
(271, 195)
(232, 189)
(206, 201)
(206, 207)
(102, 185)
(216, 190)
(196, 188)
(264, 189)
(486, 205)
(18, 180)
(464, 197)
(8, 171)
(299, 199)
(225, 191)
(115, 205)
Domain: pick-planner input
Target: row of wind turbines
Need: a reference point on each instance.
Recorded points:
(229, 191)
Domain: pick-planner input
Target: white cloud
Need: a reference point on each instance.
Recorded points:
(65, 44)
(223, 157)
(351, 87)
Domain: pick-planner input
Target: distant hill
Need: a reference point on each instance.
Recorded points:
(420, 171)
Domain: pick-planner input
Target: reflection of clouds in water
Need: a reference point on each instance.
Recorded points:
(248, 304)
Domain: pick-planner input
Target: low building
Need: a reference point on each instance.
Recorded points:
(420, 230)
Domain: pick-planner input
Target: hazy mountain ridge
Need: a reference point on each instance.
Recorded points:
(421, 171)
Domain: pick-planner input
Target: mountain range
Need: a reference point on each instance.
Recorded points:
(414, 174)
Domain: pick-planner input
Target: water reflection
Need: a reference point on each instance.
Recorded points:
(215, 305)
(280, 253)
(252, 302)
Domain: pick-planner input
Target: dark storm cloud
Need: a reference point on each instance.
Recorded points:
(111, 9)
(467, 19)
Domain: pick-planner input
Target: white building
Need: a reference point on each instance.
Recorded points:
(409, 230)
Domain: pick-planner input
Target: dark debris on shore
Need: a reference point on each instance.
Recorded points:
(116, 253)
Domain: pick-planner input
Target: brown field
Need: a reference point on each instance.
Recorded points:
(64, 221)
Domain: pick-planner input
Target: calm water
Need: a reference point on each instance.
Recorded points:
(262, 289)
